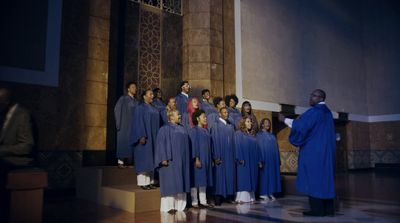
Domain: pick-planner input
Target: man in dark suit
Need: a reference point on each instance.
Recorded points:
(16, 141)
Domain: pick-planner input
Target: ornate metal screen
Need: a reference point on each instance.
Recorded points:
(171, 6)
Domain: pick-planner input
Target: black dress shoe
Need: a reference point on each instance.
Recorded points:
(145, 187)
(172, 211)
(311, 213)
(152, 186)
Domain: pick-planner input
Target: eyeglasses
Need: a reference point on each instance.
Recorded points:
(315, 95)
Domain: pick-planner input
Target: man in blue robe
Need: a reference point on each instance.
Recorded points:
(201, 164)
(314, 133)
(172, 156)
(146, 123)
(223, 150)
(214, 116)
(123, 112)
(182, 100)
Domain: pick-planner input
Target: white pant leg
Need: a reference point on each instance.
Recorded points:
(145, 178)
(193, 193)
(203, 195)
(203, 215)
(243, 196)
(180, 202)
(167, 203)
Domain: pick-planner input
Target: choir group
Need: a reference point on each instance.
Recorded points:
(192, 146)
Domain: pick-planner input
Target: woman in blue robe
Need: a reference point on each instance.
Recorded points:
(146, 123)
(171, 105)
(201, 158)
(172, 156)
(223, 152)
(270, 178)
(157, 101)
(234, 114)
(247, 156)
(213, 117)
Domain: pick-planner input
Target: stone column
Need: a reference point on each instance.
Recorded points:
(203, 63)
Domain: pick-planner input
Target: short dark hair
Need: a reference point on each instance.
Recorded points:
(129, 84)
(183, 83)
(217, 100)
(156, 90)
(195, 115)
(205, 91)
(222, 109)
(144, 93)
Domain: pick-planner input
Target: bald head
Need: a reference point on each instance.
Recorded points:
(317, 96)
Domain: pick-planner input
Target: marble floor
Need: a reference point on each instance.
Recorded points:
(366, 196)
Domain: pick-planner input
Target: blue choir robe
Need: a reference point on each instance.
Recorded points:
(223, 148)
(269, 175)
(212, 119)
(160, 105)
(123, 120)
(164, 117)
(146, 123)
(208, 107)
(234, 116)
(314, 133)
(181, 105)
(173, 144)
(246, 149)
(201, 148)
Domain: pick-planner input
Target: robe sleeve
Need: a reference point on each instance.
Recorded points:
(138, 127)
(118, 113)
(163, 146)
(238, 146)
(301, 127)
(193, 134)
(215, 145)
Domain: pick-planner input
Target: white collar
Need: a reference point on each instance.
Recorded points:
(321, 103)
(185, 94)
(223, 121)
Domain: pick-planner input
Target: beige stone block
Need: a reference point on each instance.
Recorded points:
(96, 92)
(185, 71)
(97, 70)
(100, 8)
(217, 88)
(198, 20)
(216, 38)
(198, 85)
(199, 5)
(217, 55)
(216, 22)
(216, 6)
(229, 88)
(95, 138)
(185, 54)
(217, 72)
(199, 71)
(199, 36)
(199, 53)
(96, 115)
(99, 27)
(98, 49)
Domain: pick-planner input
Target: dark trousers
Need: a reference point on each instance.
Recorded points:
(321, 207)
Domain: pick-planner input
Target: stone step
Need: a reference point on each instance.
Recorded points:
(116, 188)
